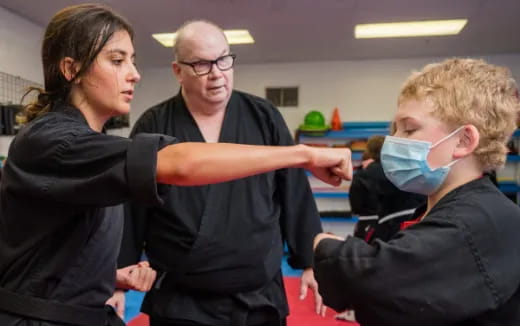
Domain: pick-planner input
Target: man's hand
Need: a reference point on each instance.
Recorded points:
(330, 165)
(138, 277)
(308, 281)
(118, 302)
(322, 236)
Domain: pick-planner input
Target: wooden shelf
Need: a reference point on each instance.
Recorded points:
(331, 194)
(341, 219)
(513, 158)
(352, 130)
(508, 187)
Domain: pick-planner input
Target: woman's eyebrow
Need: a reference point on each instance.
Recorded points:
(120, 51)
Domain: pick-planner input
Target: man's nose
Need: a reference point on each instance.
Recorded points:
(215, 71)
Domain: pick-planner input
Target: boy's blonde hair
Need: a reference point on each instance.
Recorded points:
(470, 91)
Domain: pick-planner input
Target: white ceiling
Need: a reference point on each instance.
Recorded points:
(311, 30)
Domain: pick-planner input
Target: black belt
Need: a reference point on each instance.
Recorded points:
(47, 310)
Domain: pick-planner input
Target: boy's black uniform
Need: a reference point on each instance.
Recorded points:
(459, 266)
(372, 193)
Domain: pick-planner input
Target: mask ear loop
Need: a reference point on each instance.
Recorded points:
(443, 139)
(448, 136)
(452, 162)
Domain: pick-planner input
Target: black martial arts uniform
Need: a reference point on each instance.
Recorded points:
(218, 248)
(394, 205)
(372, 193)
(363, 202)
(59, 237)
(459, 266)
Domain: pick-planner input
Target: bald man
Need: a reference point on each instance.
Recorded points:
(218, 248)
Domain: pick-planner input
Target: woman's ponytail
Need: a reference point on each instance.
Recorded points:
(41, 105)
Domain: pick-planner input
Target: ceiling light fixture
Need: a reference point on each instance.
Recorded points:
(234, 36)
(410, 29)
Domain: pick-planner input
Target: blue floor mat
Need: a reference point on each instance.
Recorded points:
(133, 304)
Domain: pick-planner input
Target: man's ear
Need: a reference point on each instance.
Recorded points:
(69, 68)
(468, 141)
(177, 71)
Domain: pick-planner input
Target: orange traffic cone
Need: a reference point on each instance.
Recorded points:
(335, 124)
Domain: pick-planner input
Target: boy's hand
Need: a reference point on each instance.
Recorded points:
(322, 236)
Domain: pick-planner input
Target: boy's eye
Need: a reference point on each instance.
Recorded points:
(117, 62)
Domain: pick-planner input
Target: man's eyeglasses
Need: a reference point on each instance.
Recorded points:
(204, 67)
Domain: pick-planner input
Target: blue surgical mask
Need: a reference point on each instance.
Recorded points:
(405, 164)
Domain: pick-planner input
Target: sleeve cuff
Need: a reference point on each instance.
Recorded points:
(326, 248)
(142, 164)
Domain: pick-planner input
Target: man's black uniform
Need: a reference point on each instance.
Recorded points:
(218, 248)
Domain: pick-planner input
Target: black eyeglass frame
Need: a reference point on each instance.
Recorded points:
(212, 62)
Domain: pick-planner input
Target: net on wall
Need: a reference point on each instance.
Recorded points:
(13, 88)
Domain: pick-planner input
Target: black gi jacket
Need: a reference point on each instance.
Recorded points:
(459, 266)
(372, 193)
(363, 203)
(59, 237)
(223, 239)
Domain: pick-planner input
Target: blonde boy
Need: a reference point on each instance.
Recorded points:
(460, 263)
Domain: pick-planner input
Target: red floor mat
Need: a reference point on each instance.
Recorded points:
(302, 312)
